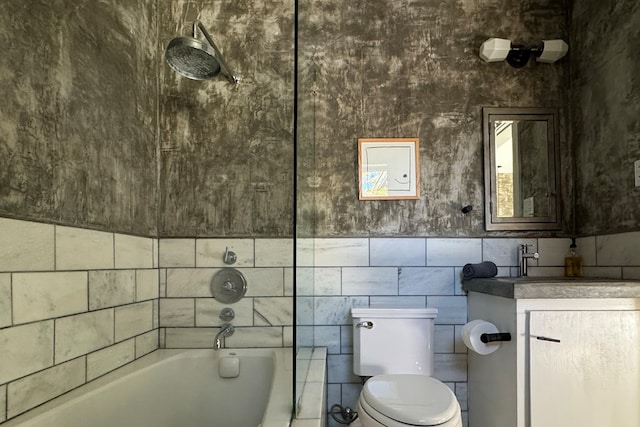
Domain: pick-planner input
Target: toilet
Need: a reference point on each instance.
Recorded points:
(394, 346)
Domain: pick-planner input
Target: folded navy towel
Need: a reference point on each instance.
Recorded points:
(483, 269)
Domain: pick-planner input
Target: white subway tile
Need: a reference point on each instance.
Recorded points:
(336, 310)
(5, 299)
(83, 333)
(369, 281)
(26, 246)
(38, 296)
(553, 251)
(255, 337)
(273, 311)
(459, 345)
(108, 288)
(110, 358)
(318, 281)
(146, 343)
(453, 252)
(587, 250)
(398, 252)
(208, 312)
(443, 339)
(3, 403)
(426, 281)
(189, 282)
(462, 395)
(631, 273)
(156, 313)
(451, 309)
(450, 367)
(177, 253)
(504, 252)
(80, 249)
(190, 337)
(274, 252)
(210, 252)
(327, 336)
(288, 281)
(603, 272)
(263, 282)
(147, 284)
(619, 249)
(305, 311)
(156, 253)
(287, 336)
(412, 301)
(36, 389)
(340, 252)
(25, 350)
(133, 319)
(177, 312)
(340, 369)
(133, 251)
(305, 252)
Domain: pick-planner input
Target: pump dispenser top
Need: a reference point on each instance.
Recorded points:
(573, 261)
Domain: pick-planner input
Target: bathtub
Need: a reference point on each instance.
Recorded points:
(179, 388)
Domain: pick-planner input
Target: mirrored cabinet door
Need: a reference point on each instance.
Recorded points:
(521, 169)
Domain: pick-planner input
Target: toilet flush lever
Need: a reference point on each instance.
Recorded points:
(366, 324)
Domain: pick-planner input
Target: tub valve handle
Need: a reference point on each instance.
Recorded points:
(229, 257)
(366, 324)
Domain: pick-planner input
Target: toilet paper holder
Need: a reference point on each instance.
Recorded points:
(500, 336)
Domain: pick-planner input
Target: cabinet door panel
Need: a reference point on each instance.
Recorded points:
(591, 378)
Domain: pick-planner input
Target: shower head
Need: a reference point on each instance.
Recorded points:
(196, 59)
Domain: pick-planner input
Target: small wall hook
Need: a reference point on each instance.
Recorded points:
(229, 257)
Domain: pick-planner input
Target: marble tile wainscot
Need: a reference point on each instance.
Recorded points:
(96, 292)
(188, 314)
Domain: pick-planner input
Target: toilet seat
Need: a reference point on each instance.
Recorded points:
(409, 400)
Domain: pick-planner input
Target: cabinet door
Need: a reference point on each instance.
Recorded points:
(591, 378)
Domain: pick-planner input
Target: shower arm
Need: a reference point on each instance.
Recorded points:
(223, 65)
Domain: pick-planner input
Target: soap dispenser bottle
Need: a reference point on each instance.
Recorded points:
(573, 261)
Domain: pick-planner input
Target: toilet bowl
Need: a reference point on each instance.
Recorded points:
(401, 400)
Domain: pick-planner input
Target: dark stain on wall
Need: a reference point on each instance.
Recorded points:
(78, 116)
(226, 151)
(606, 119)
(391, 68)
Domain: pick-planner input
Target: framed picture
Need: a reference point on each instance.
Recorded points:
(388, 168)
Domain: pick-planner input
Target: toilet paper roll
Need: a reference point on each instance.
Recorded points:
(471, 333)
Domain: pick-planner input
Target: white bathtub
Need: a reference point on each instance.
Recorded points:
(178, 388)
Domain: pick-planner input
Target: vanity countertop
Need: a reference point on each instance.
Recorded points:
(554, 287)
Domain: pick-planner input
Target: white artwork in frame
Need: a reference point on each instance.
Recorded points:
(388, 168)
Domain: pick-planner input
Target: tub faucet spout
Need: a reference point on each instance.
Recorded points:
(226, 330)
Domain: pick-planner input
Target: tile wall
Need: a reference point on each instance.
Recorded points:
(188, 314)
(336, 274)
(74, 305)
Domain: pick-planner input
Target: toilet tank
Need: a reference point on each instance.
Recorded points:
(393, 340)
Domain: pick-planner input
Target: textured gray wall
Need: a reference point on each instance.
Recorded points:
(606, 98)
(78, 83)
(389, 68)
(227, 151)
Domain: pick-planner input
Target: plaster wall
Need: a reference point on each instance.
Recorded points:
(78, 83)
(411, 69)
(605, 77)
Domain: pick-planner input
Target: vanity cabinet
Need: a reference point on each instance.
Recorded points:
(571, 362)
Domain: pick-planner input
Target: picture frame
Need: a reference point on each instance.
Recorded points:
(388, 168)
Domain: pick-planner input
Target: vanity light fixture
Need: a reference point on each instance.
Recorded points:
(548, 51)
